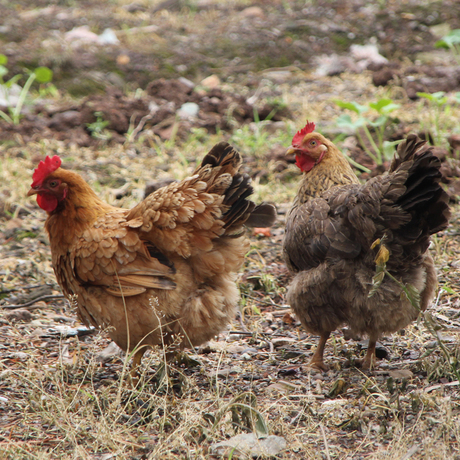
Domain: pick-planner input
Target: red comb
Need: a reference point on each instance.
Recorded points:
(298, 138)
(44, 168)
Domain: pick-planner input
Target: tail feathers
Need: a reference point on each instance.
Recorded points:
(406, 150)
(424, 199)
(226, 161)
(263, 215)
(223, 154)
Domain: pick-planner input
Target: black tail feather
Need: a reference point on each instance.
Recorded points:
(424, 198)
(241, 210)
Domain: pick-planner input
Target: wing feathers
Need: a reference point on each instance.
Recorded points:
(407, 205)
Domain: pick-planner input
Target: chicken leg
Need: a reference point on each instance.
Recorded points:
(368, 362)
(317, 359)
(135, 365)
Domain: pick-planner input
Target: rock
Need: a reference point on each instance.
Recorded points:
(123, 59)
(401, 374)
(224, 373)
(109, 352)
(19, 355)
(283, 387)
(108, 37)
(249, 445)
(9, 96)
(252, 12)
(80, 35)
(187, 82)
(366, 55)
(282, 342)
(188, 110)
(380, 351)
(213, 81)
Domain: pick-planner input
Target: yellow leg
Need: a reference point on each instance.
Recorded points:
(369, 360)
(318, 360)
(137, 358)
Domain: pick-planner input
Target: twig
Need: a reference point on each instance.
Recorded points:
(326, 445)
(263, 302)
(413, 450)
(30, 305)
(29, 286)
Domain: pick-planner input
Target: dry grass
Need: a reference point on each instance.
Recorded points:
(58, 400)
(61, 402)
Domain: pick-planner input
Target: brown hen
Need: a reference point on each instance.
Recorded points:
(330, 235)
(164, 272)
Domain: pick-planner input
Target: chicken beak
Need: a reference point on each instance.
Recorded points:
(32, 191)
(291, 150)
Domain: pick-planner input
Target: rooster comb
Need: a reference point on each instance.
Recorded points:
(44, 168)
(298, 138)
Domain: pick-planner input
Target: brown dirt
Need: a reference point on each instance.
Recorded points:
(117, 106)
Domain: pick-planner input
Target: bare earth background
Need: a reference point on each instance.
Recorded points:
(141, 90)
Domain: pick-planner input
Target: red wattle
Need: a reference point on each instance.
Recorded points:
(47, 202)
(304, 162)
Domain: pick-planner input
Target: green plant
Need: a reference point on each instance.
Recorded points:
(413, 296)
(381, 149)
(451, 41)
(97, 128)
(435, 101)
(41, 74)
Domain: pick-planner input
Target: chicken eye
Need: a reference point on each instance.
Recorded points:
(54, 183)
(312, 143)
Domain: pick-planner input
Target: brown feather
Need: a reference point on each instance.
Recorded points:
(165, 268)
(334, 222)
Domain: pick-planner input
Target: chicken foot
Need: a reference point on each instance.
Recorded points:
(317, 359)
(368, 362)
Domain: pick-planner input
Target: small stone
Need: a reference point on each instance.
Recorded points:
(249, 445)
(81, 34)
(283, 342)
(253, 12)
(108, 37)
(283, 387)
(109, 352)
(188, 110)
(213, 81)
(187, 82)
(123, 59)
(400, 374)
(19, 355)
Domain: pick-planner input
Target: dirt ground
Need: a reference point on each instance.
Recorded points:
(131, 115)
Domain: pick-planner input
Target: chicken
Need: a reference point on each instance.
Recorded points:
(162, 273)
(333, 232)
